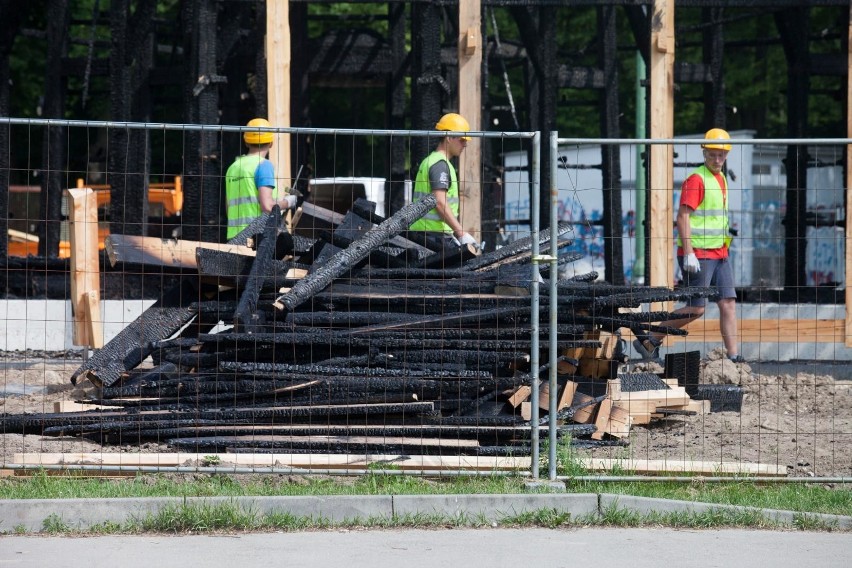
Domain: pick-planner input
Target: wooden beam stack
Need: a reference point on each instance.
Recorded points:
(358, 339)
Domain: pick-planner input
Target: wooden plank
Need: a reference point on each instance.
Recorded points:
(343, 461)
(303, 461)
(767, 330)
(520, 395)
(602, 419)
(470, 49)
(93, 318)
(586, 414)
(71, 406)
(566, 397)
(640, 466)
(618, 423)
(526, 410)
(154, 251)
(85, 265)
(658, 398)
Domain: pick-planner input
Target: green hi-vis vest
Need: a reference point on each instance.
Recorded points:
(243, 203)
(432, 221)
(709, 223)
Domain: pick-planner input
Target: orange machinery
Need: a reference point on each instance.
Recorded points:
(167, 196)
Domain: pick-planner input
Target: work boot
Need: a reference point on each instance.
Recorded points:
(647, 347)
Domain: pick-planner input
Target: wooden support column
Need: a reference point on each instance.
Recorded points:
(849, 180)
(610, 154)
(278, 85)
(661, 74)
(470, 107)
(85, 268)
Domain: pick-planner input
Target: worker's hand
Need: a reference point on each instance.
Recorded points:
(289, 201)
(691, 264)
(466, 239)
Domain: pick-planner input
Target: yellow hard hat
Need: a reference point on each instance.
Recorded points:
(455, 123)
(717, 134)
(257, 138)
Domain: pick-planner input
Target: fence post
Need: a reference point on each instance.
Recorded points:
(85, 268)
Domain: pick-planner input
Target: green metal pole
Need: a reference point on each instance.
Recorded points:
(639, 262)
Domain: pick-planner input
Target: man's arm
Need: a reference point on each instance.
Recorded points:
(683, 228)
(443, 209)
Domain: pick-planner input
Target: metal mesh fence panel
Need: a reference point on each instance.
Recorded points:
(333, 338)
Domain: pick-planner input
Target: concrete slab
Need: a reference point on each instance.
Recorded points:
(494, 507)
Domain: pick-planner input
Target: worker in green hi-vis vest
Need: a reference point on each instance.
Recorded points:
(704, 240)
(250, 181)
(437, 175)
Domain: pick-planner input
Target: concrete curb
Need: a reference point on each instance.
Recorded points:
(648, 505)
(30, 515)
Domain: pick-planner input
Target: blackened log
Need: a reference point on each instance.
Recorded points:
(260, 341)
(246, 316)
(409, 273)
(133, 344)
(254, 228)
(111, 420)
(426, 305)
(640, 296)
(328, 444)
(274, 369)
(520, 246)
(359, 250)
(446, 319)
(346, 319)
(450, 257)
(480, 432)
(471, 358)
(234, 269)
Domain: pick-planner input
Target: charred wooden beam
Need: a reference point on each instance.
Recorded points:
(273, 369)
(228, 269)
(518, 247)
(247, 317)
(111, 420)
(359, 250)
(133, 344)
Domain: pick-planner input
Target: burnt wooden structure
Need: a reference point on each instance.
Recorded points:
(220, 71)
(357, 356)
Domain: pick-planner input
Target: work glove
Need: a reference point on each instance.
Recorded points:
(290, 201)
(691, 264)
(466, 239)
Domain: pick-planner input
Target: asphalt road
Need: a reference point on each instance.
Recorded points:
(474, 548)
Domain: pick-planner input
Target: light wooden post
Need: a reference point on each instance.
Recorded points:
(85, 268)
(849, 186)
(278, 85)
(470, 107)
(662, 156)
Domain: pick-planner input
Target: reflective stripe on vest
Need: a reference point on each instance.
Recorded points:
(243, 202)
(709, 222)
(432, 221)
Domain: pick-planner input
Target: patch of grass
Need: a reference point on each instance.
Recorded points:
(200, 518)
(814, 498)
(548, 518)
(55, 525)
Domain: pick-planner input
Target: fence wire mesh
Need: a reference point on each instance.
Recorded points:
(335, 339)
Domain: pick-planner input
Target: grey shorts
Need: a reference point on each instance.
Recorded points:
(713, 272)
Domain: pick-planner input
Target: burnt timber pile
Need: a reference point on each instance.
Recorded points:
(350, 335)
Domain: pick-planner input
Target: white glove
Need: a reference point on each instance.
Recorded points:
(289, 201)
(466, 239)
(691, 264)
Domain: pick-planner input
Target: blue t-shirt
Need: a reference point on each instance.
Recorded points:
(264, 175)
